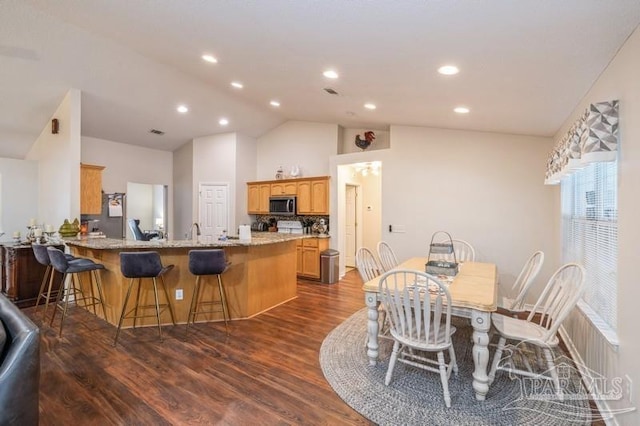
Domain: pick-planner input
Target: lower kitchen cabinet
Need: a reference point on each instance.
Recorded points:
(308, 251)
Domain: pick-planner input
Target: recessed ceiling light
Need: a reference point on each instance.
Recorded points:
(275, 103)
(330, 74)
(448, 70)
(370, 106)
(182, 109)
(210, 58)
(237, 84)
(461, 110)
(223, 121)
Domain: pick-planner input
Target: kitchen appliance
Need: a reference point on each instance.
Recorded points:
(108, 225)
(282, 206)
(290, 227)
(260, 226)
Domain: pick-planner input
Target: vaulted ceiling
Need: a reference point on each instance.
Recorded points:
(524, 65)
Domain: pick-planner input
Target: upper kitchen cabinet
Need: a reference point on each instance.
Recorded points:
(313, 196)
(284, 188)
(90, 189)
(258, 198)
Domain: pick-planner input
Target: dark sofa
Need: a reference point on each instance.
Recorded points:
(19, 366)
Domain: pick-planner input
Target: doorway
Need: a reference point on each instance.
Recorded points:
(149, 204)
(359, 196)
(214, 210)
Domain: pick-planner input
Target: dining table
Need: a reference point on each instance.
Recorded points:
(474, 295)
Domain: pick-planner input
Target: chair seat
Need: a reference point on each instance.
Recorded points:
(83, 265)
(518, 329)
(433, 346)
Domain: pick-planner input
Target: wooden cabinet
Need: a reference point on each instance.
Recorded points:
(90, 189)
(258, 198)
(313, 197)
(285, 188)
(308, 251)
(22, 274)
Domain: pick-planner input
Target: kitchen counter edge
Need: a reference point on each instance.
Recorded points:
(257, 239)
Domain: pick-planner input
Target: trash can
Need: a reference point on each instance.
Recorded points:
(329, 271)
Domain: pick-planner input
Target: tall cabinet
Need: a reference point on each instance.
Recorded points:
(90, 189)
(312, 195)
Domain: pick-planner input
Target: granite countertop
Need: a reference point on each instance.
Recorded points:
(257, 239)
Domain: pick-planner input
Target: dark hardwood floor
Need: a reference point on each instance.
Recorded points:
(265, 372)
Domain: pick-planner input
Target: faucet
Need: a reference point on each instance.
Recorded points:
(195, 225)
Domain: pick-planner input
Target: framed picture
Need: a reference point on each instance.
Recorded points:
(115, 205)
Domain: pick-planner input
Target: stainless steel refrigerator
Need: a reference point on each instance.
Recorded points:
(111, 221)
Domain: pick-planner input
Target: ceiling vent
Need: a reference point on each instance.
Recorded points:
(330, 91)
(156, 132)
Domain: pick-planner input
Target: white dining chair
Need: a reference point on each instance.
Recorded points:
(559, 297)
(418, 309)
(515, 300)
(464, 251)
(367, 265)
(388, 259)
(369, 268)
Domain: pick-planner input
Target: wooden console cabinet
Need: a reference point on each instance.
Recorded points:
(22, 274)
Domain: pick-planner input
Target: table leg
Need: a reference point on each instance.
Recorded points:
(371, 300)
(481, 322)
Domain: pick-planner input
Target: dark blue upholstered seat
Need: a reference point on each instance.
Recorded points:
(137, 266)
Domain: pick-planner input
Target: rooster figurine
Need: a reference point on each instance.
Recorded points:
(368, 139)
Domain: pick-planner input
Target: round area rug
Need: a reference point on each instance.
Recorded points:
(414, 396)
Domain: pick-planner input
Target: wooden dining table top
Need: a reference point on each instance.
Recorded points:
(475, 286)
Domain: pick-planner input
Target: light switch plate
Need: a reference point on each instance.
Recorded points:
(179, 294)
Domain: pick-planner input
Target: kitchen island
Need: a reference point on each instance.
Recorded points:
(261, 275)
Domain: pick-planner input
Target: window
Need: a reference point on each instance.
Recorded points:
(590, 233)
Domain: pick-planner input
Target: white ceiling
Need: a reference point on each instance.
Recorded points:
(525, 64)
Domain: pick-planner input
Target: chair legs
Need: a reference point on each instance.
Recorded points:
(157, 306)
(399, 354)
(196, 302)
(48, 277)
(73, 292)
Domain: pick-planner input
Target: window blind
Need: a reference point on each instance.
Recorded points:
(590, 233)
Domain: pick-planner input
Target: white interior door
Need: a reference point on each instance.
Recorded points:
(351, 225)
(214, 210)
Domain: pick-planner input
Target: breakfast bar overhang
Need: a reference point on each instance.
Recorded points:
(261, 274)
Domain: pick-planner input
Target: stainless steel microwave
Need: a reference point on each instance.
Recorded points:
(282, 206)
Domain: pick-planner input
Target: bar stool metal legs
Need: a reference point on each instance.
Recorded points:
(136, 266)
(74, 291)
(201, 263)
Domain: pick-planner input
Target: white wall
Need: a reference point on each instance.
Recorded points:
(620, 81)
(183, 187)
(125, 163)
(246, 164)
(485, 188)
(305, 144)
(214, 161)
(58, 159)
(18, 195)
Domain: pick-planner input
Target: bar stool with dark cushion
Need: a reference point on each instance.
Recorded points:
(74, 290)
(136, 266)
(201, 263)
(42, 256)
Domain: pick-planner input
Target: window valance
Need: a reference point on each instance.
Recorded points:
(592, 138)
